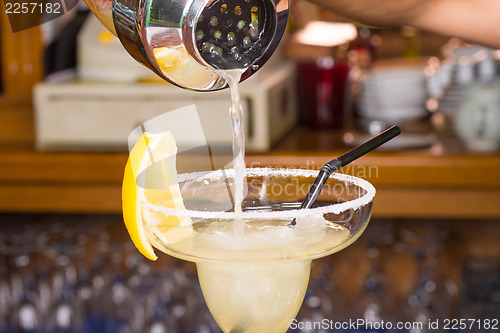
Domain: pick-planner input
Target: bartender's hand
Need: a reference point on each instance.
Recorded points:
(476, 21)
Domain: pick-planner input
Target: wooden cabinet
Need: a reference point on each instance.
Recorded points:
(434, 183)
(442, 181)
(21, 56)
(419, 183)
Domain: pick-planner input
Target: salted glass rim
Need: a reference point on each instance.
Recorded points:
(335, 208)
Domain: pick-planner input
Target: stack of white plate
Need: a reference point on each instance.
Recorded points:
(451, 99)
(393, 92)
(463, 66)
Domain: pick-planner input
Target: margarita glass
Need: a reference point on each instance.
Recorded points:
(255, 280)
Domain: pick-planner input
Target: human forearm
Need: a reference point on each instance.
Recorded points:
(375, 12)
(473, 20)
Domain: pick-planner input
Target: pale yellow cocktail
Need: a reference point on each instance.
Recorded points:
(256, 281)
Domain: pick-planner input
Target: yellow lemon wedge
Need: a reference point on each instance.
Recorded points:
(150, 177)
(105, 37)
(168, 58)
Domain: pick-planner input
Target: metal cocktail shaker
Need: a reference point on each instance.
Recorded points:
(185, 41)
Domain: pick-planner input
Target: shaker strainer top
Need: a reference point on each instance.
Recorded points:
(233, 34)
(182, 41)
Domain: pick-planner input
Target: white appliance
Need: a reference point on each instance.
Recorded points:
(99, 116)
(98, 111)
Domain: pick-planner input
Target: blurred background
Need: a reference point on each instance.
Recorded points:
(70, 96)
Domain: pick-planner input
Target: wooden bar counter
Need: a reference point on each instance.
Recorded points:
(434, 182)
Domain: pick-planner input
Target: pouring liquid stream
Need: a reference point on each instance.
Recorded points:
(236, 113)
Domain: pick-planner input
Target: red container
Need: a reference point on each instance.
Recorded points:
(321, 88)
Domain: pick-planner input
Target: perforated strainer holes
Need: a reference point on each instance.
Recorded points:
(241, 24)
(199, 35)
(236, 27)
(211, 49)
(246, 42)
(205, 47)
(231, 38)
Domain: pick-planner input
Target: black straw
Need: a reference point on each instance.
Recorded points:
(336, 164)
